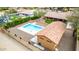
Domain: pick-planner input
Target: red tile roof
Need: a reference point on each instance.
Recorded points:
(54, 31)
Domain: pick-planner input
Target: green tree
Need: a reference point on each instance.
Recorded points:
(4, 8)
(10, 11)
(74, 18)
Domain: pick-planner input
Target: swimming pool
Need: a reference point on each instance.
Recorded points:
(31, 28)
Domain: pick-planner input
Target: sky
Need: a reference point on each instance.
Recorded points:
(39, 3)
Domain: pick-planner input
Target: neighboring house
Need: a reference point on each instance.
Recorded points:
(26, 12)
(51, 35)
(61, 16)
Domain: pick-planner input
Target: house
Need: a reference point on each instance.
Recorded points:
(51, 35)
(26, 12)
(61, 16)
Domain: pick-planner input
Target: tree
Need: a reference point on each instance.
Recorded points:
(4, 8)
(10, 11)
(74, 18)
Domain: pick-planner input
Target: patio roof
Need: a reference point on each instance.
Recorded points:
(54, 31)
(58, 15)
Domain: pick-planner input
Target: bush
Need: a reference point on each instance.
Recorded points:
(15, 22)
(35, 17)
(48, 21)
(5, 27)
(3, 8)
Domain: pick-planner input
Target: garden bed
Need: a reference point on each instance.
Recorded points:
(48, 21)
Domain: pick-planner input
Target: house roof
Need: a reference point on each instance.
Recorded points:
(54, 31)
(26, 11)
(59, 15)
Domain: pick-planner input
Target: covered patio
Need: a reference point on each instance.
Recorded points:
(60, 16)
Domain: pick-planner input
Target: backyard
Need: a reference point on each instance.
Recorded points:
(14, 21)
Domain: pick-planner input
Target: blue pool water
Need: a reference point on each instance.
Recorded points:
(31, 28)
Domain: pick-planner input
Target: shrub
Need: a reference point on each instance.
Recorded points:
(35, 17)
(5, 27)
(3, 8)
(48, 21)
(16, 22)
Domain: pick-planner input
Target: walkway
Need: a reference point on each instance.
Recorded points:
(9, 44)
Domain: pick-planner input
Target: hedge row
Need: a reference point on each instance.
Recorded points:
(19, 21)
